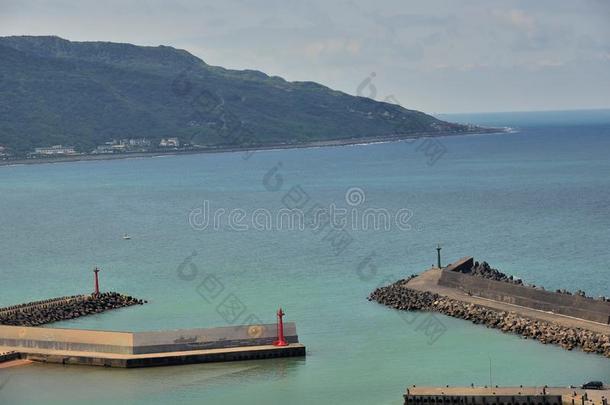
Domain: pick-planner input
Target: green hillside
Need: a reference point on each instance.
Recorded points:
(53, 91)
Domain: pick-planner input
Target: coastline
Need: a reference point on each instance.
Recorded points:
(312, 144)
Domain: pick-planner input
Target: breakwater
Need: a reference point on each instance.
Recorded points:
(59, 309)
(147, 349)
(400, 297)
(529, 296)
(484, 270)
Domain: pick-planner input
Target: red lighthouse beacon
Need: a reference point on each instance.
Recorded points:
(280, 330)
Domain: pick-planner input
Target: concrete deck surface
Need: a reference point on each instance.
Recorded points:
(428, 281)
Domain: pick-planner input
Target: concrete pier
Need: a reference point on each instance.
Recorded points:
(458, 286)
(22, 340)
(496, 300)
(505, 396)
(147, 349)
(457, 277)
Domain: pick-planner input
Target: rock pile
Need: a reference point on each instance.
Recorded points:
(581, 293)
(484, 270)
(398, 296)
(50, 301)
(43, 312)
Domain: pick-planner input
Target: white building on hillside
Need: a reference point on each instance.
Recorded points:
(55, 150)
(170, 143)
(139, 142)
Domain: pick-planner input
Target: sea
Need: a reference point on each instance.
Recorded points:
(533, 202)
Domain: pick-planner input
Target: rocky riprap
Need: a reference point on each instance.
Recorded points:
(54, 310)
(581, 293)
(400, 297)
(484, 270)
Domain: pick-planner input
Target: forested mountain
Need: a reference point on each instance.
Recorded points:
(54, 91)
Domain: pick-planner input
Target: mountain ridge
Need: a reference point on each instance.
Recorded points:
(83, 94)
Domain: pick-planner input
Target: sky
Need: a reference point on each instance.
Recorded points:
(438, 56)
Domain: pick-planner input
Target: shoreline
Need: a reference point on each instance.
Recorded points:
(312, 144)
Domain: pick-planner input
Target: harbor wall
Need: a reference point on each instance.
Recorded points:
(211, 338)
(464, 265)
(143, 342)
(171, 359)
(522, 395)
(570, 305)
(483, 399)
(66, 339)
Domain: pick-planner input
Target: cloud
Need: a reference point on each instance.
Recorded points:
(333, 47)
(549, 63)
(411, 20)
(522, 20)
(419, 50)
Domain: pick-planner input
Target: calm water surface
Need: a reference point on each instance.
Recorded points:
(534, 204)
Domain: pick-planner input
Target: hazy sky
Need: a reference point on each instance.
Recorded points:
(435, 56)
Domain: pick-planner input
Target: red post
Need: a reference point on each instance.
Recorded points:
(280, 330)
(97, 283)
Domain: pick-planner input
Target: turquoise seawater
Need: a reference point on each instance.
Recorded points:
(533, 203)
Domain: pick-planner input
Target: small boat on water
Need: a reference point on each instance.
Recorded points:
(126, 237)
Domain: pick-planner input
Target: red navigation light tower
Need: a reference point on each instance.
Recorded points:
(280, 330)
(96, 292)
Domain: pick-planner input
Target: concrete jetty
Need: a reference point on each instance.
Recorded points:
(21, 340)
(505, 396)
(496, 300)
(148, 349)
